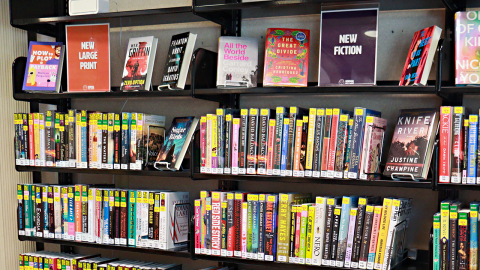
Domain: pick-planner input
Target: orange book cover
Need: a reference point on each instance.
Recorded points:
(78, 213)
(88, 58)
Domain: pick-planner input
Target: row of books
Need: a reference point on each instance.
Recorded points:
(86, 139)
(292, 142)
(58, 261)
(104, 215)
(349, 231)
(459, 162)
(455, 236)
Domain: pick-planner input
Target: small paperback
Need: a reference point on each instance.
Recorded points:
(178, 61)
(139, 61)
(44, 66)
(176, 143)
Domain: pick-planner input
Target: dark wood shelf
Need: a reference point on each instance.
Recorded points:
(177, 253)
(460, 89)
(311, 180)
(458, 187)
(152, 172)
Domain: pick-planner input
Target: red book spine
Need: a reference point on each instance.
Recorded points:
(333, 141)
(216, 223)
(197, 226)
(98, 207)
(31, 140)
(270, 145)
(237, 223)
(445, 144)
(298, 224)
(203, 132)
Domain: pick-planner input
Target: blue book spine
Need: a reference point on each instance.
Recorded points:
(255, 214)
(436, 241)
(106, 218)
(275, 229)
(84, 137)
(125, 154)
(283, 163)
(473, 236)
(472, 149)
(45, 213)
(347, 203)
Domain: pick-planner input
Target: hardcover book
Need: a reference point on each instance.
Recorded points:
(139, 61)
(420, 56)
(44, 66)
(286, 57)
(348, 43)
(237, 62)
(466, 58)
(458, 150)
(445, 159)
(412, 144)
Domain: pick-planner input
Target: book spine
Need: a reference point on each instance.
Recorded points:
(57, 208)
(284, 220)
(463, 230)
(343, 231)
(312, 118)
(326, 142)
(78, 213)
(357, 141)
(203, 145)
(208, 144)
(98, 222)
(457, 145)
(58, 137)
(444, 234)
(214, 144)
(85, 190)
(72, 213)
(333, 142)
(318, 230)
(271, 146)
(436, 242)
(230, 229)
(348, 150)
(472, 149)
(235, 144)
(382, 233)
(318, 140)
(125, 151)
(198, 206)
(224, 235)
(327, 247)
(263, 128)
(216, 214)
(62, 157)
(84, 140)
(42, 139)
(28, 135)
(445, 144)
(45, 213)
(228, 144)
(105, 141)
(350, 237)
(65, 221)
(20, 210)
(124, 218)
(294, 246)
(261, 227)
(466, 133)
(252, 141)
(277, 149)
(291, 140)
(105, 236)
(341, 145)
(133, 142)
(269, 228)
(115, 218)
(453, 226)
(357, 242)
(473, 237)
(91, 119)
(39, 213)
(140, 141)
(249, 225)
(310, 233)
(157, 210)
(335, 233)
(255, 214)
(72, 154)
(117, 142)
(36, 134)
(220, 141)
(366, 237)
(378, 212)
(398, 206)
(203, 223)
(242, 162)
(275, 229)
(93, 155)
(111, 142)
(151, 210)
(238, 221)
(286, 127)
(132, 218)
(303, 146)
(244, 229)
(297, 148)
(160, 199)
(303, 234)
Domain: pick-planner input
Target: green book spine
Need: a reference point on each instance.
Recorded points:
(249, 227)
(436, 241)
(132, 214)
(303, 234)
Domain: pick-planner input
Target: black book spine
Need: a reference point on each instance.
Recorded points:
(71, 135)
(293, 222)
(263, 141)
(151, 204)
(51, 213)
(303, 147)
(123, 217)
(367, 231)
(317, 155)
(228, 144)
(463, 242)
(277, 150)
(252, 141)
(242, 155)
(291, 140)
(328, 234)
(261, 226)
(62, 138)
(335, 231)
(230, 224)
(58, 139)
(357, 239)
(125, 153)
(105, 139)
(237, 221)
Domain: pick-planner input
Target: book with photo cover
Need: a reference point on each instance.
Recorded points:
(139, 62)
(176, 143)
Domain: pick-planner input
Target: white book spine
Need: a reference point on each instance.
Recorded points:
(319, 230)
(162, 227)
(57, 207)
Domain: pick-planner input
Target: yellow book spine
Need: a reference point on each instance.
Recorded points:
(36, 134)
(310, 232)
(382, 233)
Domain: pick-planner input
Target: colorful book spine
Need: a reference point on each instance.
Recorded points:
(436, 241)
(284, 219)
(277, 151)
(312, 118)
(284, 160)
(350, 237)
(317, 156)
(41, 123)
(84, 140)
(208, 144)
(453, 231)
(292, 116)
(444, 234)
(473, 236)
(271, 146)
(133, 142)
(303, 234)
(228, 144)
(458, 151)
(270, 227)
(333, 143)
(347, 203)
(472, 149)
(366, 237)
(140, 141)
(297, 148)
(238, 223)
(326, 142)
(463, 230)
(243, 152)
(310, 233)
(235, 144)
(117, 149)
(203, 132)
(220, 140)
(261, 227)
(348, 150)
(249, 225)
(125, 151)
(244, 240)
(111, 141)
(252, 159)
(383, 233)
(377, 216)
(223, 245)
(36, 134)
(214, 144)
(446, 114)
(466, 134)
(197, 212)
(263, 128)
(335, 233)
(295, 233)
(319, 230)
(340, 146)
(203, 200)
(255, 224)
(216, 214)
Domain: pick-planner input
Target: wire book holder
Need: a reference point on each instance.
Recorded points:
(403, 176)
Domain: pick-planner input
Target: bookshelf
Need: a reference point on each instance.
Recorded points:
(203, 71)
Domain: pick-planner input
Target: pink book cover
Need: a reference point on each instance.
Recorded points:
(203, 131)
(197, 226)
(374, 147)
(298, 225)
(445, 144)
(65, 214)
(333, 142)
(98, 216)
(377, 214)
(270, 145)
(351, 234)
(216, 223)
(235, 132)
(244, 229)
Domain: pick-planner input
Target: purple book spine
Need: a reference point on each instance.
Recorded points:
(235, 133)
(350, 237)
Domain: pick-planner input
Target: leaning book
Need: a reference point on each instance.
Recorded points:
(44, 66)
(139, 61)
(176, 143)
(412, 144)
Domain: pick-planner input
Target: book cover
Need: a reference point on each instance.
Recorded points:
(412, 144)
(420, 56)
(373, 144)
(237, 62)
(465, 43)
(44, 66)
(286, 57)
(139, 61)
(153, 137)
(458, 150)
(446, 113)
(472, 149)
(88, 57)
(348, 43)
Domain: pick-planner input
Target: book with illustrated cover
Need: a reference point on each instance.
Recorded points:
(412, 144)
(176, 143)
(458, 150)
(237, 62)
(420, 56)
(348, 42)
(372, 147)
(139, 62)
(44, 66)
(466, 72)
(178, 61)
(153, 137)
(445, 148)
(286, 57)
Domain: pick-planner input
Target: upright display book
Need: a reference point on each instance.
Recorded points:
(88, 57)
(237, 62)
(176, 143)
(178, 61)
(286, 57)
(466, 44)
(420, 56)
(412, 144)
(44, 66)
(348, 42)
(139, 62)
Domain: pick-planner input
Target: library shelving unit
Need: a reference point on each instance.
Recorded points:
(49, 17)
